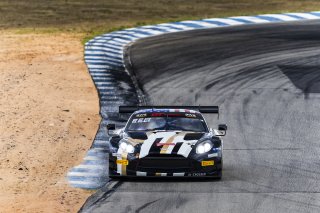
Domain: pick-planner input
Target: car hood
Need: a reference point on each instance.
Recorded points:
(168, 142)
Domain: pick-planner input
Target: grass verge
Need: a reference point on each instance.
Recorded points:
(102, 16)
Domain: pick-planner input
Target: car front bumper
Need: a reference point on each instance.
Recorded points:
(166, 166)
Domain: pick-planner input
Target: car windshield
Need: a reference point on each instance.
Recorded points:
(167, 123)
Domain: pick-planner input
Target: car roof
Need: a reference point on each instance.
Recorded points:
(166, 110)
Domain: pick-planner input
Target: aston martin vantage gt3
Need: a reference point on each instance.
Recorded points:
(166, 141)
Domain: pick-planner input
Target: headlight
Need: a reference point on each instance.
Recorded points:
(204, 147)
(126, 147)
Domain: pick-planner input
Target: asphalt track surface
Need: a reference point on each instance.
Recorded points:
(266, 79)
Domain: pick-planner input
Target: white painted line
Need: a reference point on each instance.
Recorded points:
(152, 32)
(171, 30)
(105, 63)
(305, 15)
(116, 43)
(204, 24)
(105, 43)
(107, 37)
(102, 50)
(107, 79)
(100, 66)
(183, 27)
(105, 87)
(102, 74)
(180, 27)
(100, 57)
(98, 70)
(252, 19)
(225, 21)
(105, 47)
(133, 33)
(99, 83)
(128, 34)
(103, 53)
(108, 43)
(108, 61)
(281, 17)
(160, 29)
(121, 40)
(106, 55)
(111, 93)
(122, 36)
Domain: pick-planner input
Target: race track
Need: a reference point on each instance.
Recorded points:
(266, 80)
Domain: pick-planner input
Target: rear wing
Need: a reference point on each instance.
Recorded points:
(202, 109)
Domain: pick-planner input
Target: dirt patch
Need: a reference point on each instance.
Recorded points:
(49, 115)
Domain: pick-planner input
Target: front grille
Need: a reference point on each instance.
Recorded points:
(164, 156)
(164, 163)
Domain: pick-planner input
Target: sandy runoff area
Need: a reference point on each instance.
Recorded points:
(49, 115)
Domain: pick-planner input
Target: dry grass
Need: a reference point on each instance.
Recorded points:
(95, 17)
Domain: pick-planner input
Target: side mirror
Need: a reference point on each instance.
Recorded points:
(110, 129)
(222, 128)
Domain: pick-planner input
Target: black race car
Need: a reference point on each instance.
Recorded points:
(166, 141)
